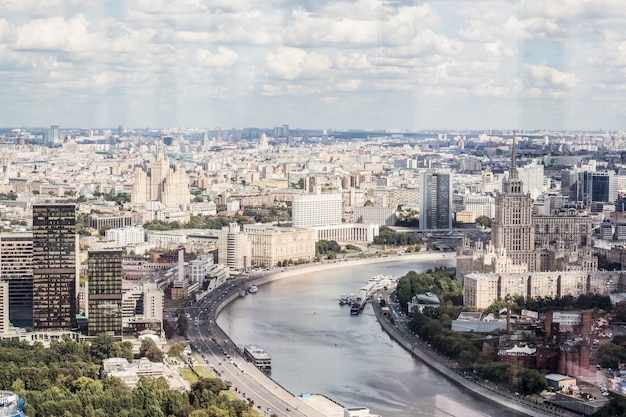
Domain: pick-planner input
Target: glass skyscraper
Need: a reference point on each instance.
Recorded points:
(54, 266)
(436, 203)
(105, 292)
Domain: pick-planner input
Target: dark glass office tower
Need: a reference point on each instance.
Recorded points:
(436, 201)
(54, 266)
(105, 292)
(16, 267)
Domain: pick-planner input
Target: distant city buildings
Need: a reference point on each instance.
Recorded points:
(550, 213)
(531, 256)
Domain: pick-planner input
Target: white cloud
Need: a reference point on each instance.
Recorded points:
(349, 85)
(56, 34)
(76, 50)
(224, 58)
(33, 8)
(291, 63)
(545, 76)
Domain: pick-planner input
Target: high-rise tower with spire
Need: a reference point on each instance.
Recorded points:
(161, 182)
(513, 232)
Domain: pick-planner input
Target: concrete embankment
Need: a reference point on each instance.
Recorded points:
(434, 361)
(310, 268)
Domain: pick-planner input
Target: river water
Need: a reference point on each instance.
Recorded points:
(318, 347)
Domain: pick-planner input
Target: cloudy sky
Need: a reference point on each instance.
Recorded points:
(445, 64)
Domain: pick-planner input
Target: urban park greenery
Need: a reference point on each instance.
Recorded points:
(63, 381)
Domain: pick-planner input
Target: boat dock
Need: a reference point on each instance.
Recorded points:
(366, 293)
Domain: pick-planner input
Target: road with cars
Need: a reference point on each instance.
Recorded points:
(217, 352)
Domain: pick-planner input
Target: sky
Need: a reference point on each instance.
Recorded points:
(314, 64)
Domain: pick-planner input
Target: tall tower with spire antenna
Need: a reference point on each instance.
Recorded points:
(161, 182)
(512, 229)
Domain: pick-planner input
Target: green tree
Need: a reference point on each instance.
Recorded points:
(483, 221)
(529, 381)
(102, 347)
(150, 350)
(176, 349)
(611, 354)
(183, 324)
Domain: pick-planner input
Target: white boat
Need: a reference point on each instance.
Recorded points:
(253, 289)
(382, 281)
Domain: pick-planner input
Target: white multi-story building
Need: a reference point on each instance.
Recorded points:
(125, 236)
(271, 244)
(205, 208)
(480, 290)
(197, 270)
(169, 238)
(347, 232)
(317, 210)
(141, 301)
(534, 182)
(233, 248)
(232, 205)
(382, 216)
(480, 205)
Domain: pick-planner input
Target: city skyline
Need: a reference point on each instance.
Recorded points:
(462, 64)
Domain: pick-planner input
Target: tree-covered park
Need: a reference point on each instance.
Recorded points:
(63, 381)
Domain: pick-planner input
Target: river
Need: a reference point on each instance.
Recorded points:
(318, 347)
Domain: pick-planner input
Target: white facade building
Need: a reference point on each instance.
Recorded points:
(480, 205)
(382, 216)
(141, 300)
(125, 236)
(233, 248)
(317, 210)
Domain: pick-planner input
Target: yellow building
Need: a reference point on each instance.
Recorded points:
(272, 244)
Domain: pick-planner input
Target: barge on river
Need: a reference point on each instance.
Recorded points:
(258, 356)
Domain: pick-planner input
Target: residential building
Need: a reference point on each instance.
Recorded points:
(105, 293)
(532, 256)
(233, 248)
(482, 289)
(480, 205)
(55, 273)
